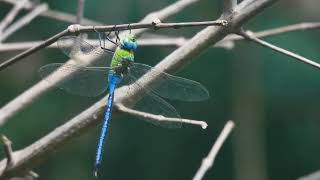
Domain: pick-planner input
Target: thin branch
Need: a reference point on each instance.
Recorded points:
(23, 21)
(74, 29)
(8, 150)
(158, 40)
(80, 11)
(209, 160)
(12, 14)
(249, 36)
(159, 118)
(159, 25)
(29, 156)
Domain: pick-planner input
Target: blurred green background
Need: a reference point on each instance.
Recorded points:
(273, 99)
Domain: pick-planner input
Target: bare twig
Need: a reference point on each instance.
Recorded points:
(23, 21)
(29, 156)
(248, 35)
(159, 118)
(209, 160)
(84, 29)
(8, 150)
(73, 29)
(12, 14)
(158, 40)
(80, 11)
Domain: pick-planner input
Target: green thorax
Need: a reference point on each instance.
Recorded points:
(121, 54)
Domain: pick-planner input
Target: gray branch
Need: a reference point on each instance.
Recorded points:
(29, 156)
(250, 36)
(158, 40)
(159, 118)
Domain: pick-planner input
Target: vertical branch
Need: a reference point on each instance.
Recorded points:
(80, 11)
(12, 14)
(209, 160)
(23, 21)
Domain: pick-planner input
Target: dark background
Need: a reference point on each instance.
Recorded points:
(273, 99)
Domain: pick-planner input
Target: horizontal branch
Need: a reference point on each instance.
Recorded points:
(158, 40)
(159, 118)
(29, 156)
(154, 25)
(209, 160)
(74, 29)
(249, 36)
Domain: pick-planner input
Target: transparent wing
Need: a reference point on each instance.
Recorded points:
(83, 81)
(81, 51)
(151, 103)
(169, 86)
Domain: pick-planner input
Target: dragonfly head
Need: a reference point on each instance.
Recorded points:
(129, 42)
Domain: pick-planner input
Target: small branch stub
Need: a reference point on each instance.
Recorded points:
(159, 118)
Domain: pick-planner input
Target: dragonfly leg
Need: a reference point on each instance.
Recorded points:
(103, 39)
(117, 35)
(129, 28)
(109, 39)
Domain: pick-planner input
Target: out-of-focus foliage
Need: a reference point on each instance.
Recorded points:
(274, 100)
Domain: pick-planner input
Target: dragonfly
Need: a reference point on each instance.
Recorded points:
(116, 68)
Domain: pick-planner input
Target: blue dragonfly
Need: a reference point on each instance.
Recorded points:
(116, 68)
